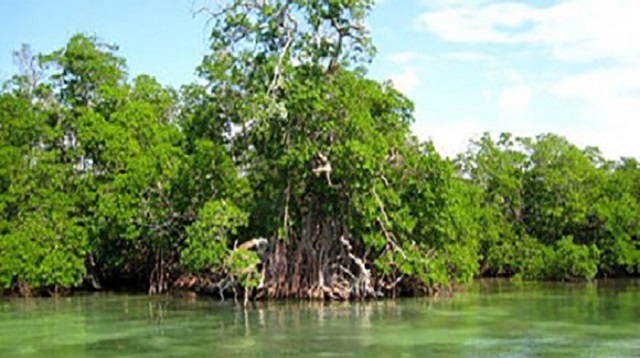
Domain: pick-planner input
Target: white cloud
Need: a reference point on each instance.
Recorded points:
(514, 101)
(451, 3)
(583, 30)
(613, 99)
(615, 142)
(468, 56)
(599, 35)
(405, 81)
(615, 87)
(575, 30)
(452, 137)
(401, 58)
(484, 24)
(449, 137)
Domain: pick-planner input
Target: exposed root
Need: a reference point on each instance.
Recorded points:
(319, 265)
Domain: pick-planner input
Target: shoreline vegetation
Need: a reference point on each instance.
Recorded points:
(284, 172)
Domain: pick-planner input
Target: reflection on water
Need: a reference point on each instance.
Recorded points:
(488, 319)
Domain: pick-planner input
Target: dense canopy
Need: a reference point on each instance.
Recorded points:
(284, 172)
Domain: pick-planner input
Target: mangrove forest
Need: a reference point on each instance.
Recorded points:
(284, 171)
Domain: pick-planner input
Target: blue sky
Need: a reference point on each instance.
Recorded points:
(566, 66)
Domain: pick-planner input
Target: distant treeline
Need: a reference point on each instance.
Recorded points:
(284, 172)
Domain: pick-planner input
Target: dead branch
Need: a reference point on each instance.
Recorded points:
(324, 167)
(361, 284)
(258, 244)
(385, 180)
(283, 14)
(383, 225)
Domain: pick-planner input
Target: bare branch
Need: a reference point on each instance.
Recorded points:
(281, 18)
(386, 222)
(325, 167)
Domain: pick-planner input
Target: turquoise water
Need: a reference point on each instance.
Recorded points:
(488, 319)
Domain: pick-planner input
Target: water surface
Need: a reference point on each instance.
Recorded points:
(488, 319)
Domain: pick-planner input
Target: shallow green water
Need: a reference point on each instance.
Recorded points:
(489, 319)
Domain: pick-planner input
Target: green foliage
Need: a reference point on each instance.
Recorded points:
(207, 241)
(42, 237)
(241, 264)
(43, 249)
(101, 163)
(287, 139)
(552, 210)
(569, 260)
